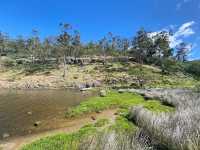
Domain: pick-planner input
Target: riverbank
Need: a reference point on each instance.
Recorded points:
(68, 127)
(117, 75)
(101, 106)
(145, 126)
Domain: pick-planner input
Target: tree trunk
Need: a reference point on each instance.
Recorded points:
(64, 64)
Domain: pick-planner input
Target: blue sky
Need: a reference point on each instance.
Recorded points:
(94, 18)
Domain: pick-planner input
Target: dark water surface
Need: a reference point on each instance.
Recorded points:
(20, 109)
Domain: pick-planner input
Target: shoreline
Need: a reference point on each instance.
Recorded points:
(15, 143)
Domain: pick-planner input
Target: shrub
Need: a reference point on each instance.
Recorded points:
(170, 65)
(193, 68)
(7, 62)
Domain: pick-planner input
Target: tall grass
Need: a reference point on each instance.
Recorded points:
(174, 131)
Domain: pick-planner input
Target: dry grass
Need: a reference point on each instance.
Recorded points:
(173, 131)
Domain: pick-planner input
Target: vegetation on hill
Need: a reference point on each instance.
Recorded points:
(66, 48)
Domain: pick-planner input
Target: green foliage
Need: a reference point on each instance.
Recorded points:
(114, 100)
(170, 65)
(197, 88)
(35, 68)
(192, 68)
(122, 124)
(155, 106)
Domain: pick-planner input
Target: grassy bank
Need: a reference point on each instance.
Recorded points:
(114, 99)
(111, 74)
(88, 133)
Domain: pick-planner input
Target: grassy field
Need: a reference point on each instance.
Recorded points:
(96, 104)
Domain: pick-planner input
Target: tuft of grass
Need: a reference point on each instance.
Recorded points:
(115, 100)
(101, 122)
(155, 106)
(123, 125)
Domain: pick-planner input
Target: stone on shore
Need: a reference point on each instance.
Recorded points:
(103, 93)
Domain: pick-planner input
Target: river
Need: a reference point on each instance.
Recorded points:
(21, 109)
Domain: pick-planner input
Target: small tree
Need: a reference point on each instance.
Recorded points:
(182, 51)
(162, 46)
(33, 46)
(4, 40)
(104, 46)
(76, 43)
(142, 45)
(64, 40)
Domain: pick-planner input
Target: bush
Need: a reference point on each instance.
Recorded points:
(7, 62)
(197, 88)
(192, 68)
(169, 65)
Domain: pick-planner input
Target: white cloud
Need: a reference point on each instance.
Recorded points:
(184, 30)
(181, 3)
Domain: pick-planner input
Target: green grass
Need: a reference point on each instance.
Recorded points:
(62, 141)
(153, 76)
(72, 141)
(115, 100)
(101, 122)
(123, 125)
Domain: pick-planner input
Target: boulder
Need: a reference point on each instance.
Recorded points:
(37, 123)
(93, 118)
(121, 91)
(103, 93)
(85, 89)
(5, 135)
(29, 113)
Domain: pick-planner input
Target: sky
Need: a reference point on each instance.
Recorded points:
(95, 18)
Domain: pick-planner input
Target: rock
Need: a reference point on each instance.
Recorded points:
(102, 93)
(87, 85)
(135, 85)
(29, 131)
(37, 123)
(116, 113)
(98, 111)
(85, 89)
(5, 135)
(29, 113)
(93, 118)
(121, 91)
(96, 84)
(75, 77)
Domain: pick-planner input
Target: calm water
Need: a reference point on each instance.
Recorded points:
(19, 110)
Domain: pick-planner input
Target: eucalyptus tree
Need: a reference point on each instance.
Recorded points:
(46, 50)
(104, 46)
(64, 43)
(142, 45)
(3, 43)
(20, 45)
(162, 46)
(125, 45)
(33, 46)
(76, 43)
